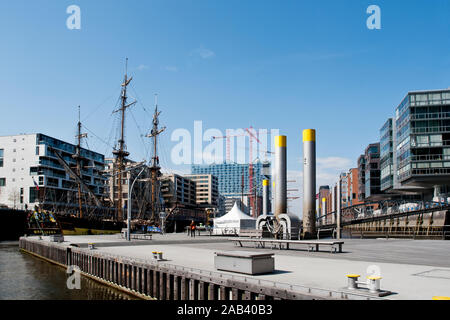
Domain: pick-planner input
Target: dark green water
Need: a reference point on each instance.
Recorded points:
(25, 277)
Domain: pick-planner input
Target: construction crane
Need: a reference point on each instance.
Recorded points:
(250, 132)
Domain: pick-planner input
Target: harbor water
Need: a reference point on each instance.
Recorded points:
(25, 277)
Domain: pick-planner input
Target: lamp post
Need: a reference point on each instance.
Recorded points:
(130, 190)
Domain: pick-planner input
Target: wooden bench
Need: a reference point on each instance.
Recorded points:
(313, 245)
(251, 233)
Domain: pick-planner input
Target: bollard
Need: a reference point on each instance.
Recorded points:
(353, 281)
(157, 255)
(374, 284)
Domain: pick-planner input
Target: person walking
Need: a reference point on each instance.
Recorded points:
(192, 228)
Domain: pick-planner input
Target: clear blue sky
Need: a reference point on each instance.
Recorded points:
(290, 65)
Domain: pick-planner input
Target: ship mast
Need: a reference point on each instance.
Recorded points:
(77, 157)
(121, 153)
(155, 168)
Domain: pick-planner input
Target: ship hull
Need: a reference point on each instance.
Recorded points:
(81, 226)
(15, 222)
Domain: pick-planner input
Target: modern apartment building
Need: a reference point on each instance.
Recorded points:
(422, 142)
(232, 176)
(140, 188)
(361, 178)
(179, 195)
(387, 156)
(30, 173)
(353, 187)
(178, 190)
(343, 180)
(372, 168)
(233, 179)
(207, 189)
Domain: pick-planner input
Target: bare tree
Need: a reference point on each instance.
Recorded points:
(14, 197)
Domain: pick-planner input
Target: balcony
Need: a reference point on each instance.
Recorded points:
(430, 116)
(430, 129)
(430, 157)
(430, 144)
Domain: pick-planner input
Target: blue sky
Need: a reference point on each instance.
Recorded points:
(290, 65)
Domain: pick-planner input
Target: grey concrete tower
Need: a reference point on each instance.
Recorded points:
(338, 210)
(273, 187)
(309, 184)
(280, 175)
(333, 204)
(324, 210)
(265, 197)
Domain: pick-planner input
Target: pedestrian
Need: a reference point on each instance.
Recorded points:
(192, 228)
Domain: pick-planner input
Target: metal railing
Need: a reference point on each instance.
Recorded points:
(430, 115)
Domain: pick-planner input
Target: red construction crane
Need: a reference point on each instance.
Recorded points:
(250, 169)
(228, 142)
(250, 132)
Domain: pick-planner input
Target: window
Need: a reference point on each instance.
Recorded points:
(2, 182)
(37, 150)
(1, 157)
(437, 138)
(33, 195)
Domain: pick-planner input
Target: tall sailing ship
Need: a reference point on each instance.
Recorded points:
(95, 215)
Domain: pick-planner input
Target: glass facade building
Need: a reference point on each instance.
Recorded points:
(386, 156)
(372, 167)
(422, 148)
(230, 176)
(361, 177)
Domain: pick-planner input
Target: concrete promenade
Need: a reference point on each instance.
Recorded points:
(412, 269)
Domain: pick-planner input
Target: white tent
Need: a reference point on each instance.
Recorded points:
(233, 221)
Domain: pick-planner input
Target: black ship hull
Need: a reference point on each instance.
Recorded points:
(14, 222)
(19, 223)
(83, 226)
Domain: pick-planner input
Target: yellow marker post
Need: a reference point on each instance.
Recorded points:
(280, 141)
(309, 135)
(280, 175)
(265, 199)
(437, 298)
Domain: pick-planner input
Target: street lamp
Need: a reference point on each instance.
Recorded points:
(130, 189)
